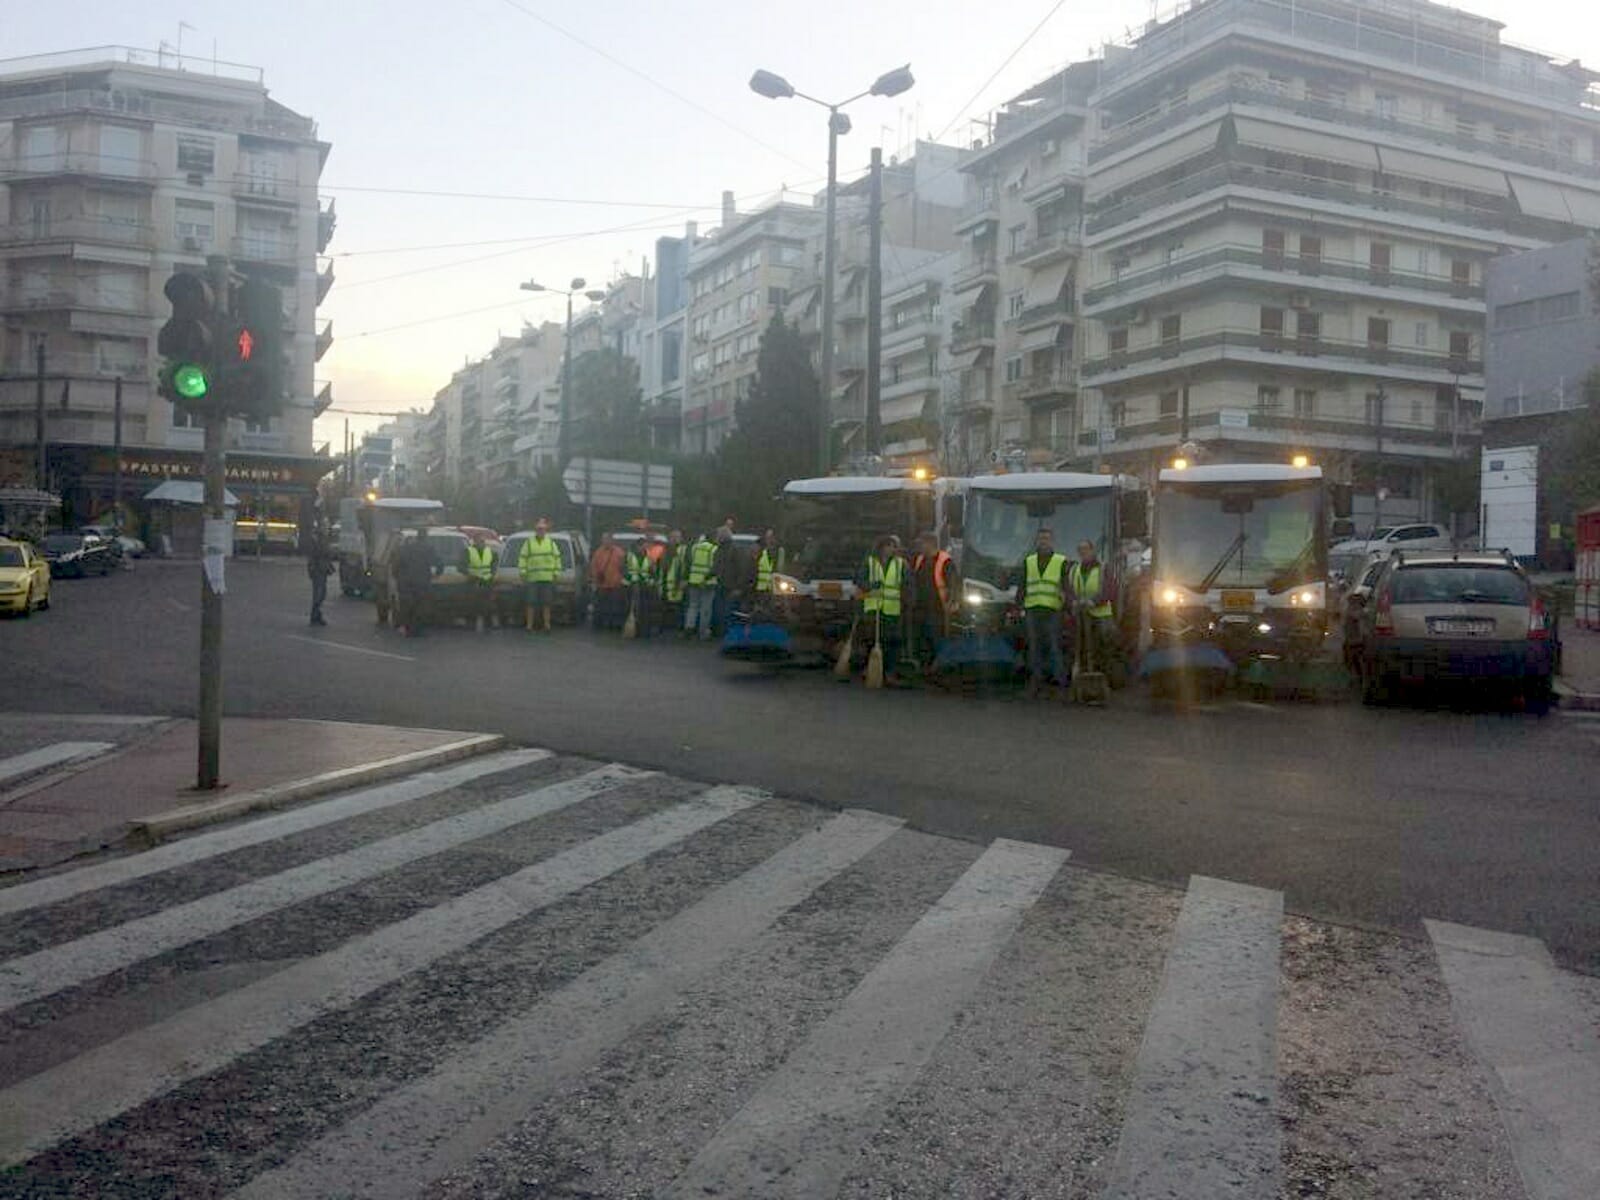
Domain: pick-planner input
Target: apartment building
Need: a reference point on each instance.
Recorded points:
(117, 165)
(1013, 387)
(1289, 214)
(387, 457)
(663, 336)
(738, 276)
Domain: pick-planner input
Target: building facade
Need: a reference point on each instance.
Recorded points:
(1288, 220)
(119, 166)
(663, 337)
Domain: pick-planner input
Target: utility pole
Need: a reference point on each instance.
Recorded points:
(1377, 473)
(38, 419)
(116, 451)
(837, 123)
(875, 306)
(213, 550)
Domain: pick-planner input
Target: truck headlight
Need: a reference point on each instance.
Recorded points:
(974, 599)
(1167, 596)
(1309, 596)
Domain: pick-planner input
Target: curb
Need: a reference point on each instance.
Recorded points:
(1573, 700)
(150, 830)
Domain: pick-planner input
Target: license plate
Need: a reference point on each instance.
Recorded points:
(1238, 601)
(830, 590)
(1465, 627)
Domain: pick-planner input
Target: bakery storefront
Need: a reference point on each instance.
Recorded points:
(276, 492)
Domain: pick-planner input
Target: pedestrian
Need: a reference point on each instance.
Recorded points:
(671, 578)
(478, 566)
(1092, 604)
(882, 581)
(702, 588)
(769, 562)
(414, 570)
(932, 589)
(1040, 592)
(606, 578)
(538, 563)
(735, 571)
(319, 565)
(639, 576)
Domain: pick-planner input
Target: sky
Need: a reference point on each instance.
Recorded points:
(570, 136)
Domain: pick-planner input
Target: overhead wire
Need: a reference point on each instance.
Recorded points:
(1021, 46)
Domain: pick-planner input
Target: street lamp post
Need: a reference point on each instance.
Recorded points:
(776, 87)
(563, 437)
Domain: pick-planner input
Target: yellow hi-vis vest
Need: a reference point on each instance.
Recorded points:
(1044, 587)
(883, 591)
(672, 569)
(700, 560)
(539, 560)
(1086, 586)
(480, 563)
(766, 563)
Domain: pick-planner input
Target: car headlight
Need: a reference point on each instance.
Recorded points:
(784, 585)
(975, 599)
(1309, 596)
(1167, 596)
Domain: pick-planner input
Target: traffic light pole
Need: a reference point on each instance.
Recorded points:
(213, 549)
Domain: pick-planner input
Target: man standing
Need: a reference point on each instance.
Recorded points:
(769, 561)
(639, 574)
(538, 562)
(883, 583)
(479, 570)
(1040, 592)
(672, 576)
(414, 570)
(702, 588)
(319, 565)
(1092, 602)
(605, 576)
(735, 569)
(931, 589)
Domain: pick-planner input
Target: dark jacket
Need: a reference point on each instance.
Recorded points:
(413, 563)
(319, 557)
(735, 568)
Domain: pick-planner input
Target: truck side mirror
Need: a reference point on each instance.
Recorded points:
(1341, 494)
(1133, 514)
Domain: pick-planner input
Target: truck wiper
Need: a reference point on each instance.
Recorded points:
(1291, 571)
(1211, 576)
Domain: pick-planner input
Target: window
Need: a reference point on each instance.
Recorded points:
(1460, 348)
(1374, 408)
(1307, 330)
(1168, 404)
(1272, 248)
(1015, 303)
(1460, 272)
(40, 145)
(1310, 253)
(1378, 257)
(1117, 341)
(1171, 329)
(1017, 237)
(1377, 333)
(1424, 261)
(196, 154)
(1388, 106)
(119, 289)
(1271, 328)
(260, 173)
(1416, 410)
(1559, 308)
(1118, 410)
(184, 419)
(776, 297)
(1173, 252)
(120, 150)
(1118, 266)
(1014, 368)
(1267, 398)
(194, 224)
(1305, 403)
(1422, 335)
(1444, 407)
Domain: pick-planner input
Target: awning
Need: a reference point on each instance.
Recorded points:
(1196, 141)
(1585, 206)
(798, 304)
(1536, 198)
(1017, 178)
(1039, 339)
(965, 359)
(1045, 286)
(185, 491)
(1305, 143)
(1448, 172)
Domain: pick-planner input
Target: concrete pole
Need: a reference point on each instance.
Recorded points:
(825, 411)
(42, 469)
(875, 307)
(211, 562)
(116, 443)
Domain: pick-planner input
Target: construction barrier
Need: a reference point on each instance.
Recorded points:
(1586, 599)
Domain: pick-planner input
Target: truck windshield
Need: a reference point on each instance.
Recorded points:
(828, 536)
(1259, 535)
(1001, 527)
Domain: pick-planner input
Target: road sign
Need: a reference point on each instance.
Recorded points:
(612, 483)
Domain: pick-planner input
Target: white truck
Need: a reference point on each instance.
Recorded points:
(365, 524)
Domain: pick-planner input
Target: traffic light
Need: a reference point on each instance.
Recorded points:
(250, 356)
(186, 341)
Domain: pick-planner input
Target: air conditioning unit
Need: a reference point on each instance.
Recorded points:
(192, 244)
(1299, 300)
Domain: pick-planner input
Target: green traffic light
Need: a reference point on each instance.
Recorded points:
(190, 381)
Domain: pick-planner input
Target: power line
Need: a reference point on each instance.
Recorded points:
(656, 83)
(393, 191)
(466, 312)
(1021, 46)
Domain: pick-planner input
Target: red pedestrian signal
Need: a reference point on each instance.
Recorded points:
(247, 343)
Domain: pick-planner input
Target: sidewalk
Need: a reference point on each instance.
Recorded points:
(144, 789)
(1579, 685)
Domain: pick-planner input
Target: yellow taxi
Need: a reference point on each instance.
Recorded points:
(24, 579)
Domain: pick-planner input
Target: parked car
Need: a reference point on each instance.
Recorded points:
(1459, 617)
(447, 597)
(1388, 538)
(572, 581)
(80, 554)
(130, 546)
(24, 579)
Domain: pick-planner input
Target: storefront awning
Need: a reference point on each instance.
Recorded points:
(1432, 169)
(185, 491)
(1047, 282)
(1196, 141)
(1536, 198)
(1305, 143)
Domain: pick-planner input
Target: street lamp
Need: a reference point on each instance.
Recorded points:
(575, 288)
(776, 87)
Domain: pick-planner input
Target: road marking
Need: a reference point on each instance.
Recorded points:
(297, 637)
(441, 1122)
(49, 756)
(56, 888)
(1201, 1117)
(801, 1131)
(110, 1079)
(1542, 1055)
(62, 966)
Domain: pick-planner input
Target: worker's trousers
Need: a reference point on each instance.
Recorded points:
(1044, 645)
(699, 609)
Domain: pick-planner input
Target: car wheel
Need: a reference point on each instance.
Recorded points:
(1538, 696)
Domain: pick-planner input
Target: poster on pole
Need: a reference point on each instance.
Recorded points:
(613, 483)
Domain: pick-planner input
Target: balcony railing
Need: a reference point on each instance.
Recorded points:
(1056, 311)
(974, 273)
(1042, 385)
(277, 252)
(324, 338)
(1372, 353)
(327, 219)
(1046, 247)
(266, 189)
(1536, 403)
(1239, 174)
(73, 162)
(84, 229)
(969, 335)
(324, 398)
(1300, 428)
(1234, 255)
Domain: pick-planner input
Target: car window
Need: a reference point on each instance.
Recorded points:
(1459, 583)
(11, 556)
(1371, 577)
(512, 551)
(63, 541)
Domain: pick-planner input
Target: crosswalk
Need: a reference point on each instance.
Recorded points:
(528, 975)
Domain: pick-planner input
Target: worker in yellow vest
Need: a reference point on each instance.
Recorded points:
(883, 581)
(702, 584)
(480, 579)
(1090, 586)
(538, 563)
(672, 578)
(1041, 593)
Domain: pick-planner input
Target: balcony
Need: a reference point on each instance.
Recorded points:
(916, 329)
(911, 385)
(976, 334)
(977, 274)
(1224, 260)
(323, 401)
(327, 218)
(267, 251)
(664, 410)
(1055, 312)
(1369, 358)
(80, 229)
(324, 281)
(265, 189)
(979, 213)
(1046, 248)
(269, 442)
(324, 339)
(104, 170)
(970, 400)
(1042, 387)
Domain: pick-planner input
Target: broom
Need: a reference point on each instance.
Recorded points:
(630, 627)
(875, 659)
(841, 665)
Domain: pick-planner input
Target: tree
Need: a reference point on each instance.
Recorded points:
(607, 411)
(1574, 458)
(776, 437)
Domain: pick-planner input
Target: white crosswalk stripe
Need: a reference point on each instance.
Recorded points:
(46, 757)
(851, 1066)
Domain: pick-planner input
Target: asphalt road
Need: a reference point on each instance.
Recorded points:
(1358, 816)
